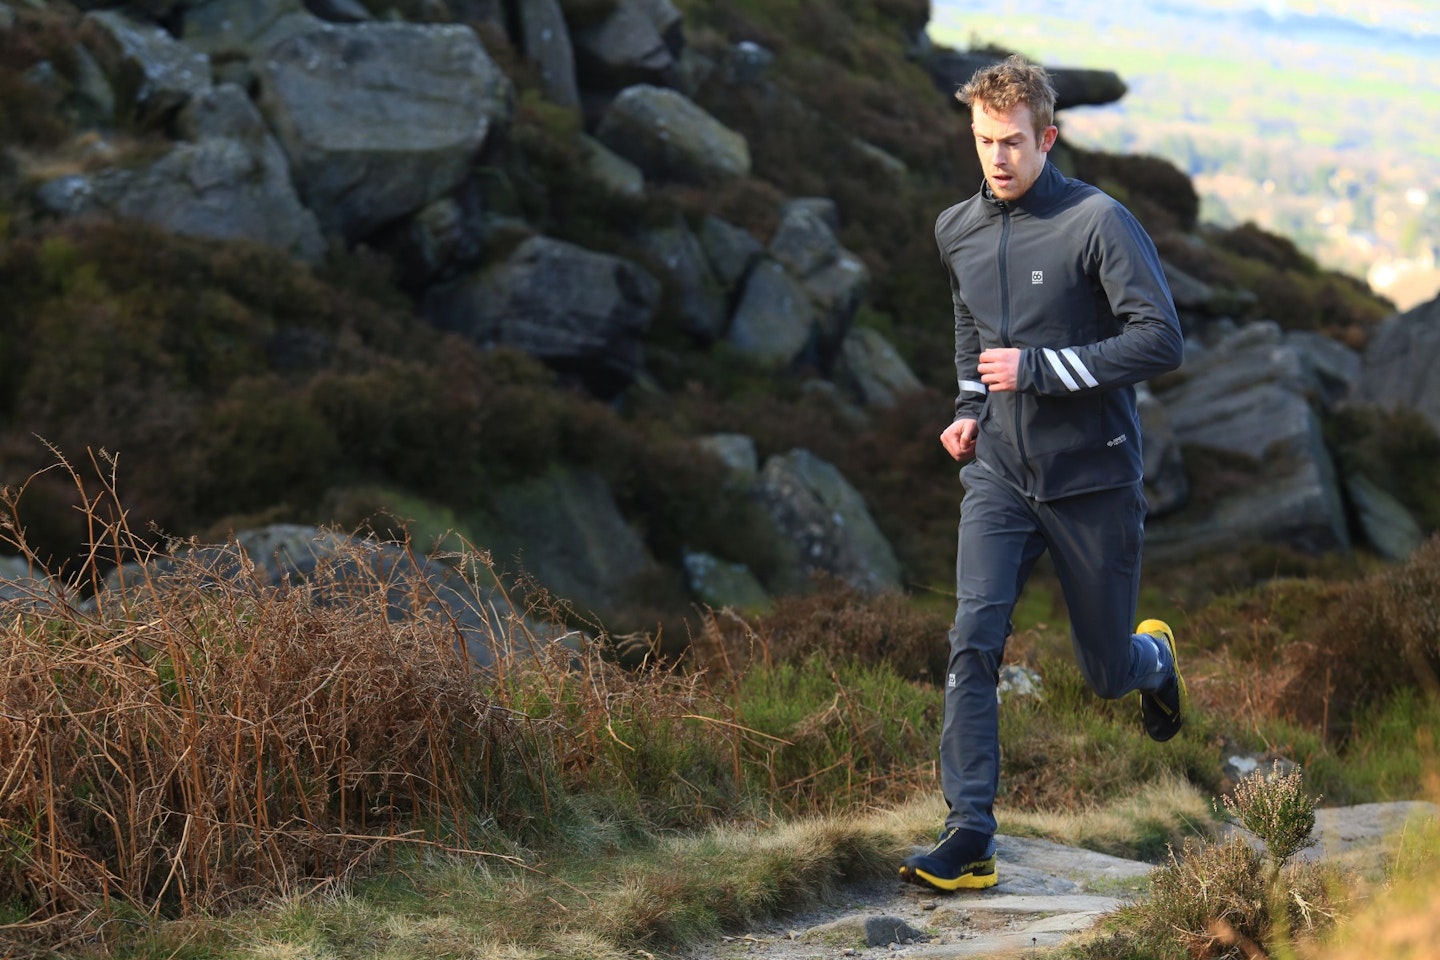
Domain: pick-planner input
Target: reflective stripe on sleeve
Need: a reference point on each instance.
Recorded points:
(973, 386)
(1069, 354)
(1058, 366)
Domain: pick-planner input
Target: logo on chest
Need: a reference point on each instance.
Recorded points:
(1037, 277)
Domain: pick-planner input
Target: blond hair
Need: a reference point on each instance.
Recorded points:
(1001, 87)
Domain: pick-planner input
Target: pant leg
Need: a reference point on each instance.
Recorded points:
(998, 543)
(1095, 541)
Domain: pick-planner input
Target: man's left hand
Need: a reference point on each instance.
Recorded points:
(999, 367)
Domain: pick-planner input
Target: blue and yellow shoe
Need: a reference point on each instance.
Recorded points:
(1163, 710)
(949, 864)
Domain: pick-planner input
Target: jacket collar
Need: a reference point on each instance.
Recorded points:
(1046, 189)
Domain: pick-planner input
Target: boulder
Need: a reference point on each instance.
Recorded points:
(1400, 360)
(835, 279)
(1247, 396)
(701, 301)
(836, 289)
(380, 119)
(872, 370)
(611, 170)
(736, 451)
(720, 584)
(545, 41)
(230, 30)
(573, 308)
(825, 525)
(731, 249)
(805, 239)
(747, 64)
(339, 11)
(1331, 368)
(629, 46)
(565, 530)
(438, 241)
(1166, 485)
(232, 182)
(152, 74)
(1074, 87)
(774, 322)
(670, 138)
(1384, 521)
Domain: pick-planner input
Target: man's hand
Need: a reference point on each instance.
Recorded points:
(959, 439)
(1000, 367)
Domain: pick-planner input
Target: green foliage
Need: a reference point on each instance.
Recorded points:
(1275, 807)
(1397, 450)
(1161, 196)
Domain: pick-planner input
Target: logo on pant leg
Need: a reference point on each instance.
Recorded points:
(951, 681)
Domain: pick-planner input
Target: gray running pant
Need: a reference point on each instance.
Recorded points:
(1094, 541)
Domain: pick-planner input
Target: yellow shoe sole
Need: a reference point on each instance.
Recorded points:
(966, 881)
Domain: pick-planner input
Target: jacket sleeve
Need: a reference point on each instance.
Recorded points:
(971, 398)
(1122, 257)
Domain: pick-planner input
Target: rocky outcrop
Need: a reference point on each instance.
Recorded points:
(231, 182)
(775, 321)
(732, 251)
(670, 138)
(1248, 396)
(950, 70)
(872, 370)
(379, 120)
(545, 41)
(637, 42)
(1167, 487)
(720, 584)
(1400, 363)
(825, 524)
(576, 309)
(699, 295)
(152, 74)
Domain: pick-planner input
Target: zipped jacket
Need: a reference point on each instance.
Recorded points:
(1066, 274)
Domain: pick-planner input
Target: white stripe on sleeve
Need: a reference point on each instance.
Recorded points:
(973, 386)
(1059, 368)
(1069, 354)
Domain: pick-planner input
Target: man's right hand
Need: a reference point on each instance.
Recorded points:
(959, 439)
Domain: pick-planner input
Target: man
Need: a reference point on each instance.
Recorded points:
(1061, 306)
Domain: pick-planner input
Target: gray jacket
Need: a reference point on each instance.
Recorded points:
(1069, 276)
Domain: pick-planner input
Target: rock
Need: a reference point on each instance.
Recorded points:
(1400, 360)
(732, 250)
(231, 183)
(701, 298)
(825, 523)
(339, 11)
(774, 322)
(611, 170)
(950, 70)
(805, 240)
(625, 48)
(242, 30)
(1385, 522)
(1248, 396)
(573, 308)
(872, 370)
(734, 450)
(747, 64)
(565, 530)
(670, 138)
(545, 41)
(1018, 681)
(380, 119)
(836, 290)
(1331, 368)
(720, 584)
(1167, 487)
(152, 73)
(438, 241)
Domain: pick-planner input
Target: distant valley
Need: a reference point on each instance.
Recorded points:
(1315, 120)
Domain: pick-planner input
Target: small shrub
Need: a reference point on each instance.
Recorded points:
(1276, 808)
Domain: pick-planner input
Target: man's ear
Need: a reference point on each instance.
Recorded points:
(1047, 139)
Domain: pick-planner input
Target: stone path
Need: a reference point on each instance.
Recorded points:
(1047, 893)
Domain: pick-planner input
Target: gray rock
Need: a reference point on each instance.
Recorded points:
(1188, 292)
(1248, 396)
(774, 322)
(805, 239)
(545, 40)
(151, 73)
(231, 183)
(736, 451)
(378, 119)
(239, 30)
(1332, 368)
(732, 250)
(567, 532)
(1018, 681)
(1387, 526)
(880, 931)
(1167, 487)
(669, 137)
(701, 298)
(440, 239)
(1074, 87)
(567, 305)
(611, 170)
(872, 370)
(720, 584)
(836, 290)
(626, 47)
(1400, 363)
(747, 64)
(825, 523)
(339, 11)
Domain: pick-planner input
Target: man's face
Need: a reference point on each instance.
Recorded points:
(1009, 153)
